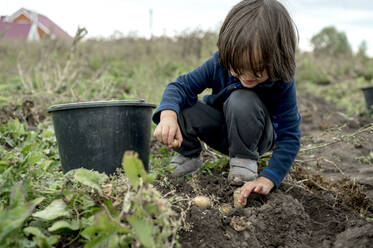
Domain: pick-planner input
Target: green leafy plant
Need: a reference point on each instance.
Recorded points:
(134, 169)
(89, 178)
(81, 208)
(210, 166)
(366, 159)
(309, 71)
(18, 210)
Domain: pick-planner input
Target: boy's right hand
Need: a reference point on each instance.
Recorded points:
(168, 129)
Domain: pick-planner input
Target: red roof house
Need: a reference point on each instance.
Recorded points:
(29, 25)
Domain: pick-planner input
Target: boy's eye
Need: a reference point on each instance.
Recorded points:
(251, 74)
(258, 75)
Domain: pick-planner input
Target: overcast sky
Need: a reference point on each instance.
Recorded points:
(103, 18)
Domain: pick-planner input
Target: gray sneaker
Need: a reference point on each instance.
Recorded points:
(242, 170)
(185, 165)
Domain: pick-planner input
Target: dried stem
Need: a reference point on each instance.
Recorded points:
(335, 165)
(123, 210)
(340, 139)
(66, 71)
(22, 77)
(110, 216)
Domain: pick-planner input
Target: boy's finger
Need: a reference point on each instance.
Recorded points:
(245, 192)
(171, 136)
(266, 190)
(179, 137)
(248, 191)
(165, 131)
(157, 133)
(258, 189)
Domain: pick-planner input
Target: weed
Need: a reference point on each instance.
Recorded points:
(39, 205)
(309, 71)
(366, 159)
(216, 165)
(345, 94)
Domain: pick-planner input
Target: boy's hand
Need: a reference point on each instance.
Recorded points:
(168, 130)
(261, 185)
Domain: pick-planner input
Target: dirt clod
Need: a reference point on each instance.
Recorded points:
(355, 237)
(239, 223)
(24, 113)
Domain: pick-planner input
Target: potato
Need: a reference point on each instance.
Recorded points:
(226, 208)
(236, 195)
(202, 201)
(175, 144)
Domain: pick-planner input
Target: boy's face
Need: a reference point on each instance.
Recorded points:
(248, 78)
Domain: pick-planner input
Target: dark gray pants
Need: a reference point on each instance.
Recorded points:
(243, 129)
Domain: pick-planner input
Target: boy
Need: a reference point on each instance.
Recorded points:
(252, 108)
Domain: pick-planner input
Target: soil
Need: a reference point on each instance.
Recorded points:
(288, 217)
(325, 201)
(323, 123)
(25, 113)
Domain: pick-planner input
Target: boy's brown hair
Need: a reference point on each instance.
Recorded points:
(258, 35)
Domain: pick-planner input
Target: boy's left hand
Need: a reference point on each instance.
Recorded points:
(261, 185)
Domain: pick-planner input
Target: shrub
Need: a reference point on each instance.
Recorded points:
(308, 70)
(330, 42)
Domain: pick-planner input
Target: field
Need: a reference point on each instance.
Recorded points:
(325, 201)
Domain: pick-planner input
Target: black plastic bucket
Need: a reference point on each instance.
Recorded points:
(95, 135)
(368, 94)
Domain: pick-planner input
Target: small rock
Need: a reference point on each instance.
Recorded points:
(227, 236)
(248, 212)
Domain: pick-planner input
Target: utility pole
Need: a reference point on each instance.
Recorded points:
(151, 23)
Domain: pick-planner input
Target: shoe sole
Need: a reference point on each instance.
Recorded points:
(189, 173)
(236, 183)
(239, 182)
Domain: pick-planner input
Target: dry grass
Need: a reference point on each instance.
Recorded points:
(54, 71)
(346, 191)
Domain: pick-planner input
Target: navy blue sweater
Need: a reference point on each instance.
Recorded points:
(278, 96)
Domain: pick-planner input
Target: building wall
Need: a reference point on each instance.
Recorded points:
(42, 34)
(22, 19)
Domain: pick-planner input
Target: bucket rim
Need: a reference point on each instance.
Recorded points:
(98, 104)
(366, 88)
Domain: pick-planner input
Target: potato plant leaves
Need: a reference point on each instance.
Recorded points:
(134, 169)
(90, 178)
(85, 208)
(64, 225)
(19, 210)
(144, 230)
(40, 238)
(103, 232)
(54, 210)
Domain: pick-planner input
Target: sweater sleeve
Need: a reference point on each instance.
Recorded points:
(183, 92)
(287, 127)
